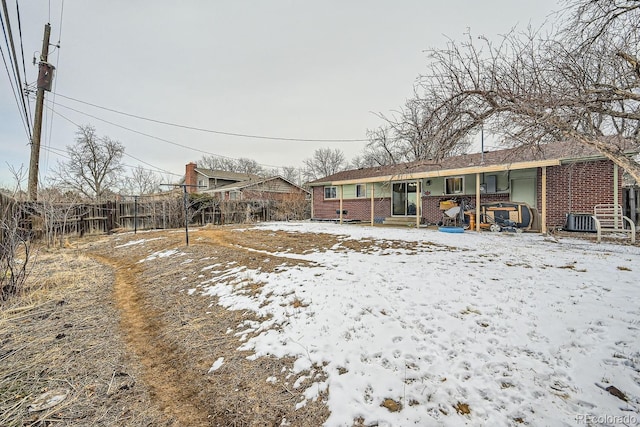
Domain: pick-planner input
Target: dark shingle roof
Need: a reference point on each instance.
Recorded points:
(232, 176)
(249, 183)
(551, 151)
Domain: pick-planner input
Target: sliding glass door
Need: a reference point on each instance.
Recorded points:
(404, 199)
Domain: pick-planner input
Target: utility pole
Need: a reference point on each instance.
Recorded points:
(45, 77)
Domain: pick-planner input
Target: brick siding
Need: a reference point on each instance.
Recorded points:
(431, 204)
(357, 209)
(572, 188)
(577, 188)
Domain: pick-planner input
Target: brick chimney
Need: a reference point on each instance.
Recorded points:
(191, 177)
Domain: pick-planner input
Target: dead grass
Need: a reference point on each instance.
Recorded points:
(391, 405)
(462, 408)
(62, 333)
(131, 344)
(132, 347)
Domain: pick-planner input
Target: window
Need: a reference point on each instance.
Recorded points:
(235, 195)
(331, 192)
(361, 190)
(454, 185)
(201, 183)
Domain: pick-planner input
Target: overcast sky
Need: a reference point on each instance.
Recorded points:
(277, 68)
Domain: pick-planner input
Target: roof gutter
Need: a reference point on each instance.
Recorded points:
(447, 172)
(595, 157)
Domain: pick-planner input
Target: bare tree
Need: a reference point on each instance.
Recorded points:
(20, 175)
(240, 165)
(419, 131)
(291, 174)
(142, 181)
(15, 247)
(217, 163)
(94, 165)
(325, 162)
(382, 148)
(15, 251)
(249, 166)
(363, 161)
(580, 84)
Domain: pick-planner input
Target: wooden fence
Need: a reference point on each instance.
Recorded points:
(8, 210)
(55, 220)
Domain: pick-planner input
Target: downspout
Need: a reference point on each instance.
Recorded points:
(570, 185)
(632, 205)
(615, 191)
(615, 185)
(543, 219)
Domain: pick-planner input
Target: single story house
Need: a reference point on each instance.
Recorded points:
(225, 185)
(554, 179)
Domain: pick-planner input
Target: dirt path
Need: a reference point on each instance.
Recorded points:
(175, 336)
(171, 386)
(134, 342)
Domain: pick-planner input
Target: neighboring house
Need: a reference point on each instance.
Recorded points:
(200, 179)
(555, 179)
(225, 185)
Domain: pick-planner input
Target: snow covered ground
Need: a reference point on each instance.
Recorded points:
(459, 329)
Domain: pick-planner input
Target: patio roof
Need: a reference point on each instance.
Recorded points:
(525, 157)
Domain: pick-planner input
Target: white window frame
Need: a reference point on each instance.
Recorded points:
(446, 187)
(361, 194)
(335, 192)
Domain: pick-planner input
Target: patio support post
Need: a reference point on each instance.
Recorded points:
(418, 204)
(543, 219)
(373, 187)
(477, 201)
(313, 195)
(341, 194)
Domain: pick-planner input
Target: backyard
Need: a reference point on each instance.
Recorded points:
(309, 324)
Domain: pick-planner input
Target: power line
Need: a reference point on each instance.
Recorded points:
(15, 82)
(15, 63)
(218, 132)
(61, 153)
(148, 135)
(24, 68)
(155, 168)
(55, 82)
(13, 90)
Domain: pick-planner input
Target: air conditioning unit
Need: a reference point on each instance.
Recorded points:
(579, 222)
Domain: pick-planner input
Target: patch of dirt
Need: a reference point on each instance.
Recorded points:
(462, 408)
(392, 405)
(134, 342)
(63, 333)
(134, 347)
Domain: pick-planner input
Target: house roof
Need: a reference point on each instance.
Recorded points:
(549, 154)
(232, 176)
(236, 186)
